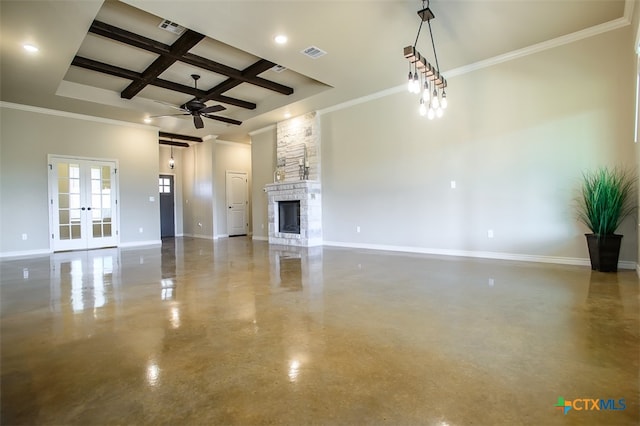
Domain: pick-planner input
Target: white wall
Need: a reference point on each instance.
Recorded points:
(233, 157)
(198, 189)
(263, 153)
(28, 135)
(203, 185)
(515, 138)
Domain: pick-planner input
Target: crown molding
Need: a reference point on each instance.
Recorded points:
(540, 47)
(516, 54)
(65, 114)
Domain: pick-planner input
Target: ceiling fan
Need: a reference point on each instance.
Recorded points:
(199, 109)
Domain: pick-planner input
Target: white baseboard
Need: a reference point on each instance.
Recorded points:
(221, 236)
(26, 253)
(202, 236)
(141, 243)
(259, 238)
(479, 254)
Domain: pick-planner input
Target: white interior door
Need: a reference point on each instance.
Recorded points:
(237, 203)
(83, 199)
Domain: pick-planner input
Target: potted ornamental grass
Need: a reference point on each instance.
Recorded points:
(607, 197)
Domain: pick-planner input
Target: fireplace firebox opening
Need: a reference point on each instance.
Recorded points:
(289, 216)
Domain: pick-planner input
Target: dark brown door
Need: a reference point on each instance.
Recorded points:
(167, 215)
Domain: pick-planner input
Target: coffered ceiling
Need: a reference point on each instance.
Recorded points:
(111, 59)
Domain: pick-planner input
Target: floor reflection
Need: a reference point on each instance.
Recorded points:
(83, 280)
(235, 331)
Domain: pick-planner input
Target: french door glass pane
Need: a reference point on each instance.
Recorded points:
(100, 200)
(69, 201)
(65, 232)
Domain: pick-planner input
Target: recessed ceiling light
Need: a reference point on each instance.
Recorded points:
(287, 115)
(280, 39)
(30, 48)
(147, 120)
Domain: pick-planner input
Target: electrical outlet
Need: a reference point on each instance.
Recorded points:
(453, 184)
(490, 233)
(24, 237)
(140, 230)
(358, 229)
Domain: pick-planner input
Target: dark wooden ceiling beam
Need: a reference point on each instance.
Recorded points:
(127, 37)
(181, 46)
(173, 143)
(136, 40)
(113, 70)
(252, 70)
(237, 74)
(93, 65)
(178, 136)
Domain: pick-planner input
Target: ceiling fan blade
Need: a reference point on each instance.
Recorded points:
(223, 119)
(197, 121)
(168, 115)
(210, 109)
(170, 105)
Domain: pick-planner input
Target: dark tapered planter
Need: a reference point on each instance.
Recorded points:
(604, 252)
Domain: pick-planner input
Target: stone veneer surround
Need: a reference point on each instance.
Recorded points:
(310, 195)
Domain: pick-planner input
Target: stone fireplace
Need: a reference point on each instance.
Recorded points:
(295, 197)
(308, 194)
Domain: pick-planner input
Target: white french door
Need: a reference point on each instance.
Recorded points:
(83, 200)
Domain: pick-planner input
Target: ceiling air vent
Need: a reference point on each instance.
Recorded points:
(278, 68)
(313, 52)
(172, 27)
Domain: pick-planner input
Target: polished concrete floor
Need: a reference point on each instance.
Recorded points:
(235, 332)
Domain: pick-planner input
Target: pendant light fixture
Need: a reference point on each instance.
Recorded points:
(433, 100)
(172, 162)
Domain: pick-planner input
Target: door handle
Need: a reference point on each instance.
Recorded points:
(83, 209)
(229, 206)
(88, 208)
